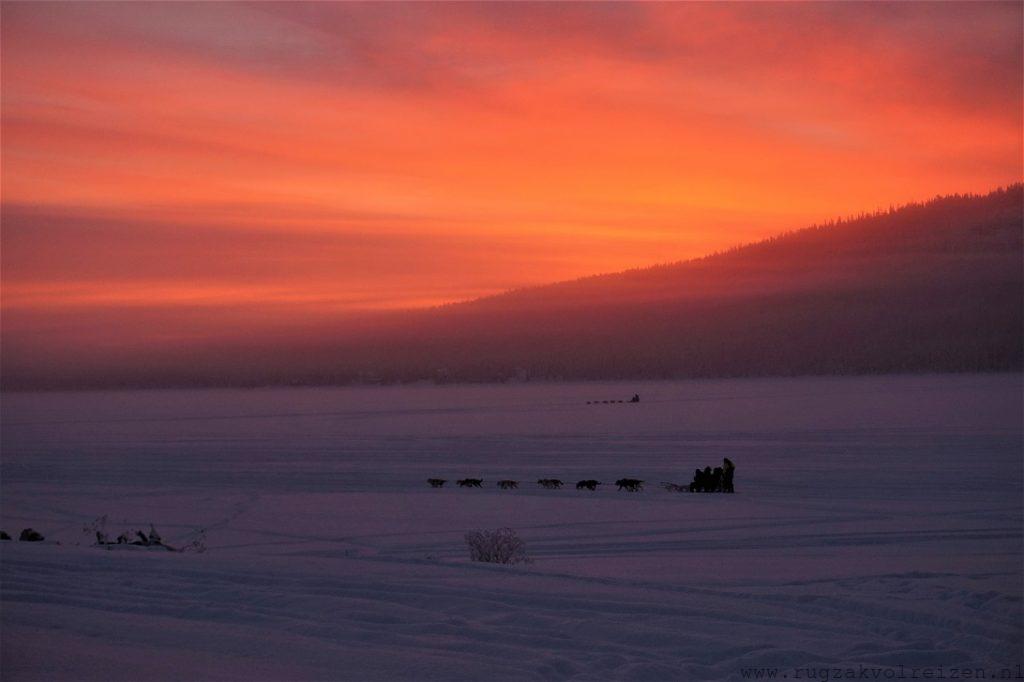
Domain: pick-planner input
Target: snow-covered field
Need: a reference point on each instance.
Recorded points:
(877, 523)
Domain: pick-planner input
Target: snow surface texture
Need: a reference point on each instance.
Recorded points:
(877, 522)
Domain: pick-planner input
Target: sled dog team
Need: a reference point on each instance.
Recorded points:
(707, 480)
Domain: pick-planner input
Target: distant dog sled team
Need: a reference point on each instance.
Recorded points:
(706, 480)
(717, 480)
(634, 399)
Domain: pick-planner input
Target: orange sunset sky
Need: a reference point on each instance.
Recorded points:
(338, 157)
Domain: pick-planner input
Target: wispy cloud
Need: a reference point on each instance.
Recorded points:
(423, 152)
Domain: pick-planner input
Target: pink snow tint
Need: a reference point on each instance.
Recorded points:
(877, 522)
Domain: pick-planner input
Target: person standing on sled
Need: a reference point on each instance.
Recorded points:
(728, 470)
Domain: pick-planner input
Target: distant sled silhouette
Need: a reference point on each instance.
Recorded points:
(706, 480)
(718, 480)
(634, 399)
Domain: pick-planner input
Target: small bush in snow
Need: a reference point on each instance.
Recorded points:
(96, 530)
(500, 546)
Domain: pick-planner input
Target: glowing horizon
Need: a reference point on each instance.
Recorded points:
(338, 157)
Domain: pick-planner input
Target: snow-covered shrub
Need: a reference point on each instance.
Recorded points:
(96, 531)
(501, 546)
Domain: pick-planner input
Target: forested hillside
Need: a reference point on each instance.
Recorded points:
(933, 287)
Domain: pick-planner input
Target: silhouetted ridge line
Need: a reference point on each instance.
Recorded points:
(927, 287)
(866, 231)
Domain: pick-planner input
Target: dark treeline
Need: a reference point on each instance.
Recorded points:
(927, 287)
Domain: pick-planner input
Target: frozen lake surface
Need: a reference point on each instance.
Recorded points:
(877, 522)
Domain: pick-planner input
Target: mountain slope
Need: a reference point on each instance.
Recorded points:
(933, 287)
(928, 287)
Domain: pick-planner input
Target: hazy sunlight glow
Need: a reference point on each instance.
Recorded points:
(357, 156)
